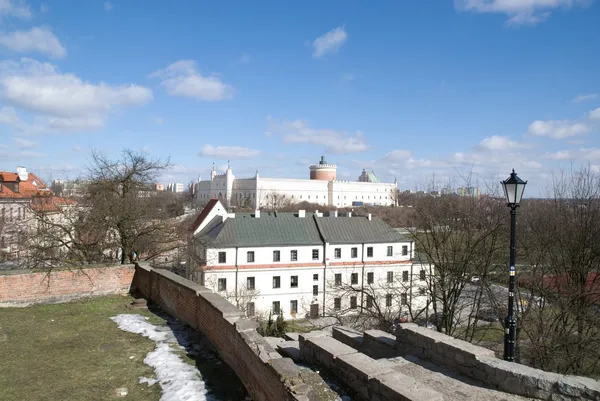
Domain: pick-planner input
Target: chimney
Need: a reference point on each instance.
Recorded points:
(369, 217)
(301, 213)
(257, 214)
(349, 214)
(335, 213)
(22, 172)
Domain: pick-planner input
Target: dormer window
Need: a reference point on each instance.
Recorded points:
(35, 183)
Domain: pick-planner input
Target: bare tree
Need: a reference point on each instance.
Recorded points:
(561, 251)
(274, 200)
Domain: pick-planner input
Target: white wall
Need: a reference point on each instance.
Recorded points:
(343, 193)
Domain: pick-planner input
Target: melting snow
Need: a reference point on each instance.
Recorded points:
(179, 381)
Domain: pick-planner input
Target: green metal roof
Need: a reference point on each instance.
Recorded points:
(353, 230)
(246, 231)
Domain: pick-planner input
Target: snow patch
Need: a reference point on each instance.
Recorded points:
(179, 381)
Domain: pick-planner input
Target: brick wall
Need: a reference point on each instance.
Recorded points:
(265, 374)
(18, 288)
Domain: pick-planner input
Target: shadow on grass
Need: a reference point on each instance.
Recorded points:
(219, 378)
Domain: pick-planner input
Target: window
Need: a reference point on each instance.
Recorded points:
(337, 253)
(315, 290)
(315, 277)
(369, 301)
(222, 257)
(293, 307)
(370, 278)
(352, 302)
(404, 298)
(250, 310)
(390, 277)
(405, 276)
(337, 303)
(390, 250)
(276, 282)
(276, 256)
(315, 254)
(354, 252)
(388, 300)
(370, 252)
(276, 308)
(338, 279)
(294, 281)
(354, 278)
(421, 291)
(404, 250)
(250, 257)
(222, 284)
(250, 283)
(422, 275)
(294, 255)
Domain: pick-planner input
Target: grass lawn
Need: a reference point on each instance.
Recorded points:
(73, 351)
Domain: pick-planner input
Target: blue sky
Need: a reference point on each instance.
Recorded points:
(407, 88)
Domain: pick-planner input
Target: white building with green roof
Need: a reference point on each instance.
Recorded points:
(301, 264)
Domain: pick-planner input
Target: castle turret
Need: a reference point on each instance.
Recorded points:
(323, 171)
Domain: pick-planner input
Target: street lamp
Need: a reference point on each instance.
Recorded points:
(513, 188)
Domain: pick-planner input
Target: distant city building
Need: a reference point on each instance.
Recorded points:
(469, 191)
(175, 187)
(300, 264)
(322, 188)
(70, 188)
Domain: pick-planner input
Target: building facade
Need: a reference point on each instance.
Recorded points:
(302, 264)
(321, 188)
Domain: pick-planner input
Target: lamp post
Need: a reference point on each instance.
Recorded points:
(513, 188)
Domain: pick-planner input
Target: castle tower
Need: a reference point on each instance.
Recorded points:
(323, 171)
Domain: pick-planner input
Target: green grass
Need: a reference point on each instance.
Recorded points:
(73, 351)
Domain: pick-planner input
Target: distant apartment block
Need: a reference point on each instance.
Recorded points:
(303, 264)
(323, 187)
(175, 187)
(469, 191)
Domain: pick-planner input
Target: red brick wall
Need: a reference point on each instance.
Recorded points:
(62, 285)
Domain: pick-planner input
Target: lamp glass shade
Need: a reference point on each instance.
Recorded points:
(513, 187)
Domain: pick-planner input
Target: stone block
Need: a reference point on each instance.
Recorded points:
(291, 336)
(396, 386)
(245, 325)
(290, 349)
(362, 366)
(328, 349)
(348, 336)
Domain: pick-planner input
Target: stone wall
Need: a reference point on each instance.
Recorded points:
(481, 364)
(369, 378)
(24, 287)
(265, 374)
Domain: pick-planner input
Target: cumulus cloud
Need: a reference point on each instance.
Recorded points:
(497, 142)
(63, 100)
(519, 12)
(329, 42)
(299, 131)
(22, 143)
(34, 40)
(182, 78)
(15, 8)
(557, 129)
(228, 152)
(583, 98)
(594, 114)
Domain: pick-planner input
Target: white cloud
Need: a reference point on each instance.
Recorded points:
(557, 129)
(583, 98)
(497, 142)
(228, 152)
(581, 154)
(36, 39)
(183, 79)
(520, 12)
(25, 143)
(108, 5)
(329, 42)
(15, 8)
(594, 114)
(298, 131)
(62, 100)
(397, 155)
(9, 116)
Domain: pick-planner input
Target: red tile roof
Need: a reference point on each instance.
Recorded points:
(50, 203)
(209, 206)
(26, 188)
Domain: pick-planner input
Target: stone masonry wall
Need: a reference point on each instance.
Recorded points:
(369, 378)
(21, 288)
(481, 364)
(265, 374)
